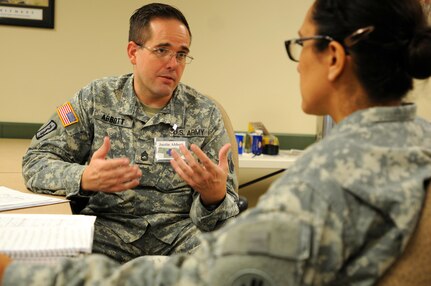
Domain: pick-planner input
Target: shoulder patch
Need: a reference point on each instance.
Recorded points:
(67, 114)
(45, 130)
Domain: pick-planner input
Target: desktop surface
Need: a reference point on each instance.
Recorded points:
(283, 160)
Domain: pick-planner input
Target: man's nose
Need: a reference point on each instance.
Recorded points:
(173, 61)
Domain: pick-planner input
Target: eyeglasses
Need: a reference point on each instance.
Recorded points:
(294, 46)
(167, 54)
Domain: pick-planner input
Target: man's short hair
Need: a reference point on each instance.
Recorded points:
(139, 31)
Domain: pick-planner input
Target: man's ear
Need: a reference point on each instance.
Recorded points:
(337, 60)
(132, 48)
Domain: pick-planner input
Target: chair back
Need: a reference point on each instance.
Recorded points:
(242, 201)
(231, 133)
(413, 268)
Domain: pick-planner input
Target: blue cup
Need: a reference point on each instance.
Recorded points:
(240, 142)
(256, 144)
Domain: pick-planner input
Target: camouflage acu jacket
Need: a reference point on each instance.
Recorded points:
(58, 153)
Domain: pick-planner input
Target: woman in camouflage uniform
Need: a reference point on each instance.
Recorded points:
(344, 212)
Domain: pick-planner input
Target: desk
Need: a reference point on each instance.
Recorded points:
(282, 161)
(11, 152)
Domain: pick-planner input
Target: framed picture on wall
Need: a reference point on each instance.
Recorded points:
(30, 13)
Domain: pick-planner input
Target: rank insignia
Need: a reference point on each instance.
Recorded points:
(144, 156)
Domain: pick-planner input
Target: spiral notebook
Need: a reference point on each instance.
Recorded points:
(45, 237)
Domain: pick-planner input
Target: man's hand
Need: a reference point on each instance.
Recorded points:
(113, 175)
(4, 263)
(207, 178)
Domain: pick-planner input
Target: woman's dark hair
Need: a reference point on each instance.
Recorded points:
(388, 58)
(140, 20)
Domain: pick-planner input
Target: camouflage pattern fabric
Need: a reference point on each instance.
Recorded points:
(340, 216)
(57, 156)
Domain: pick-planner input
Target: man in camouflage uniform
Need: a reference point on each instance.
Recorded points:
(112, 142)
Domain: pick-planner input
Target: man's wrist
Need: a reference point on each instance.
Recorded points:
(212, 206)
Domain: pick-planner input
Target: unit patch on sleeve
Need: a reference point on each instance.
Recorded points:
(45, 130)
(67, 114)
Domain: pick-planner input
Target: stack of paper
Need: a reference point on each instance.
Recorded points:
(11, 199)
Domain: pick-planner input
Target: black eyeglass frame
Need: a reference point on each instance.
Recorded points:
(348, 42)
(300, 42)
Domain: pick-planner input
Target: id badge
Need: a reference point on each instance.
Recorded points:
(164, 147)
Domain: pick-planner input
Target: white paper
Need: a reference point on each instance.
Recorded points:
(43, 235)
(12, 199)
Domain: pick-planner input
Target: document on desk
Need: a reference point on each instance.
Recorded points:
(12, 199)
(45, 237)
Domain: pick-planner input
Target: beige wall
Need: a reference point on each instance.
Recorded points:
(238, 47)
(422, 96)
